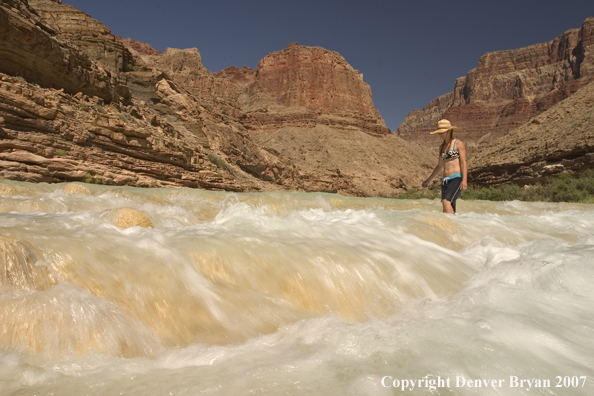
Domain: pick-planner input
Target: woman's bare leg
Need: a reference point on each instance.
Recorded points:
(447, 206)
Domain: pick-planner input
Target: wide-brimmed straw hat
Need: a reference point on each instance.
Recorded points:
(443, 126)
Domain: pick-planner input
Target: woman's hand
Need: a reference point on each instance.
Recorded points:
(464, 185)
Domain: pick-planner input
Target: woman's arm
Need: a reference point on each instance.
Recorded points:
(437, 169)
(463, 165)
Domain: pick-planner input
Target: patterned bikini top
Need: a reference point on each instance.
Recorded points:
(450, 154)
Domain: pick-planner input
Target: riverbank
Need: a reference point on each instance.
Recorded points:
(561, 188)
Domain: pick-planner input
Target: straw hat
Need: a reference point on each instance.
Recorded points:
(443, 126)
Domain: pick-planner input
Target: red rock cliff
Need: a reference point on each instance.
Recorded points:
(298, 86)
(508, 88)
(309, 85)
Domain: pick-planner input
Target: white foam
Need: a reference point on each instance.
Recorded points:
(285, 293)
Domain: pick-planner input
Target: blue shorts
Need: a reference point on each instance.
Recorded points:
(450, 189)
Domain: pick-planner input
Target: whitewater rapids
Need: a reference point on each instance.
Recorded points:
(127, 291)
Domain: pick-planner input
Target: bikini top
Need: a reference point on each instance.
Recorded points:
(451, 154)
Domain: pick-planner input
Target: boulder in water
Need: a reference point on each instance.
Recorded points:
(76, 189)
(128, 217)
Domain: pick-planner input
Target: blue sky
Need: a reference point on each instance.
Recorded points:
(409, 52)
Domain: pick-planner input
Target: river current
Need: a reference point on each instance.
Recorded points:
(221, 293)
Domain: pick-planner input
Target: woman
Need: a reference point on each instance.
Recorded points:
(452, 161)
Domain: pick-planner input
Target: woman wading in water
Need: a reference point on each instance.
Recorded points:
(452, 162)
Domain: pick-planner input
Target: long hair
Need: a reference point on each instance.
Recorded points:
(446, 143)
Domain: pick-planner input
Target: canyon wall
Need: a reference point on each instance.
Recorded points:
(33, 50)
(80, 104)
(508, 88)
(307, 86)
(68, 116)
(102, 109)
(560, 139)
(299, 86)
(90, 35)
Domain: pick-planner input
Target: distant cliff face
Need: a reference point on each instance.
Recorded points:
(309, 85)
(560, 139)
(299, 86)
(508, 88)
(218, 91)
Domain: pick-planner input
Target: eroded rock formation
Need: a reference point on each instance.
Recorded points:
(49, 136)
(560, 139)
(80, 104)
(88, 132)
(307, 86)
(32, 49)
(90, 35)
(299, 86)
(508, 88)
(109, 110)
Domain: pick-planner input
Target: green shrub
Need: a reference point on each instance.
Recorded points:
(562, 188)
(89, 179)
(565, 188)
(100, 109)
(219, 162)
(413, 193)
(505, 192)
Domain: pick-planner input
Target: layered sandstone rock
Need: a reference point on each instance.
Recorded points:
(306, 86)
(123, 113)
(185, 68)
(560, 139)
(49, 136)
(299, 86)
(193, 110)
(32, 49)
(228, 102)
(137, 47)
(90, 35)
(508, 88)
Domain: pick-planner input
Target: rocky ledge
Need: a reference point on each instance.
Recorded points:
(509, 88)
(560, 139)
(50, 136)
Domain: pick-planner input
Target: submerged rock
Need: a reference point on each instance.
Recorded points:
(21, 267)
(76, 189)
(67, 319)
(128, 217)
